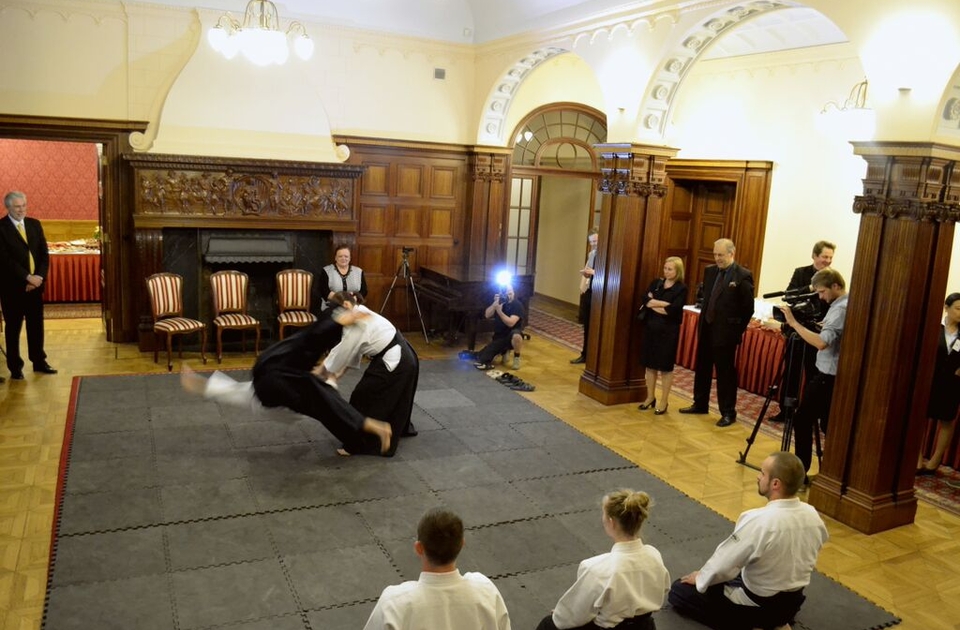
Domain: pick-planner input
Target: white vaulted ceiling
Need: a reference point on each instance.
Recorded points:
(480, 21)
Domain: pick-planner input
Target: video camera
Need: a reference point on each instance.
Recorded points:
(407, 250)
(805, 306)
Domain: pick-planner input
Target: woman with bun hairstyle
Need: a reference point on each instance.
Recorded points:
(620, 589)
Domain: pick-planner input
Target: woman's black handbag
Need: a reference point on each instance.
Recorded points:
(642, 313)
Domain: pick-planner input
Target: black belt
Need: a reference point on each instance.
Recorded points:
(397, 338)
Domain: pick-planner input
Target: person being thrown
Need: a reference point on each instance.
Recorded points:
(283, 377)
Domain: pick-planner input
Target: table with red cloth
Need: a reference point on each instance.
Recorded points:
(73, 277)
(758, 357)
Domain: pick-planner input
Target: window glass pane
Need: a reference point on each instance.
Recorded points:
(524, 222)
(512, 224)
(511, 252)
(515, 187)
(551, 118)
(525, 197)
(521, 250)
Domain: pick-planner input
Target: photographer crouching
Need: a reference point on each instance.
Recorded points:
(815, 405)
(508, 315)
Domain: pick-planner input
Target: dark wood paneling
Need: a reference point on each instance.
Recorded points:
(415, 197)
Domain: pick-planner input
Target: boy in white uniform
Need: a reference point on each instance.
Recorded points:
(442, 597)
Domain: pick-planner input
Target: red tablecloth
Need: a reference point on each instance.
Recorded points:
(758, 357)
(73, 278)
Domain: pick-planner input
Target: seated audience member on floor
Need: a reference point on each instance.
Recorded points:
(619, 589)
(813, 412)
(756, 577)
(508, 316)
(442, 597)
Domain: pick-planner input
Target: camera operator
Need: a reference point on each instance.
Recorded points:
(831, 288)
(508, 315)
(803, 363)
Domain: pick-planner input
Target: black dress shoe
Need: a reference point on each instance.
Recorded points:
(649, 405)
(726, 421)
(410, 431)
(16, 376)
(923, 471)
(578, 360)
(692, 409)
(777, 418)
(660, 412)
(44, 368)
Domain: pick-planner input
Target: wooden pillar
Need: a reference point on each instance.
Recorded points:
(487, 211)
(632, 184)
(910, 203)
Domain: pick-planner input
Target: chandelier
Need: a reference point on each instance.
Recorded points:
(259, 37)
(857, 100)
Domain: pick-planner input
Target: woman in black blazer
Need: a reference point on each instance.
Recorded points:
(945, 389)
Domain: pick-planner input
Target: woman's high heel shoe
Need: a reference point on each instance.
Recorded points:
(649, 405)
(660, 412)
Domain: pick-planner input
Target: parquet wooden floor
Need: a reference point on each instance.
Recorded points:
(913, 571)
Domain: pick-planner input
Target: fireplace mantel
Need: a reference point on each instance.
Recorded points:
(211, 192)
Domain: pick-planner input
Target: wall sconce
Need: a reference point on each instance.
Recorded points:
(856, 100)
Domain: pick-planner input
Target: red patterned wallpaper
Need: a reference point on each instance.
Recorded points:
(59, 178)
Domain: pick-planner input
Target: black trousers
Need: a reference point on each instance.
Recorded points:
(388, 396)
(723, 357)
(714, 610)
(17, 307)
(497, 346)
(815, 407)
(643, 622)
(586, 299)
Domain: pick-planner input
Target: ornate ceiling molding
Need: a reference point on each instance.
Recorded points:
(495, 110)
(663, 87)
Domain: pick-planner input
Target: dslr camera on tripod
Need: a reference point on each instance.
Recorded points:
(805, 306)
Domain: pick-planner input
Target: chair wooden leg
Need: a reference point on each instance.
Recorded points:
(169, 352)
(219, 344)
(280, 332)
(203, 345)
(256, 347)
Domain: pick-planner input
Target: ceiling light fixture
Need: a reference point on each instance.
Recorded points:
(259, 37)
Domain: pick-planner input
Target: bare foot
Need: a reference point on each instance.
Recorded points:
(382, 430)
(191, 381)
(342, 452)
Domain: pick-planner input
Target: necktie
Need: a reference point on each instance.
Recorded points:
(23, 235)
(714, 294)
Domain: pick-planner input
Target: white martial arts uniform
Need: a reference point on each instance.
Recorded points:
(629, 581)
(773, 549)
(441, 600)
(367, 337)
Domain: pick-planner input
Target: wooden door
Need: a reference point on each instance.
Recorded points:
(697, 214)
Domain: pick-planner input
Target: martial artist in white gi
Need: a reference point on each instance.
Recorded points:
(756, 577)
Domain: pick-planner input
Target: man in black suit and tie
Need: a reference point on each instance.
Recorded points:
(24, 261)
(727, 309)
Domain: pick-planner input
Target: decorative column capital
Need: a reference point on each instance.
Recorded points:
(633, 170)
(487, 166)
(910, 180)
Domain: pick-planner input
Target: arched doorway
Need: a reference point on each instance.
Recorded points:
(553, 199)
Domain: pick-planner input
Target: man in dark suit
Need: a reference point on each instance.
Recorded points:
(803, 361)
(24, 261)
(727, 309)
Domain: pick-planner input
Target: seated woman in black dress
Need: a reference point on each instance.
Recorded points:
(661, 336)
(945, 389)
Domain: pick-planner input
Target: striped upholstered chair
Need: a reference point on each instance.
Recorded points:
(229, 291)
(293, 299)
(166, 303)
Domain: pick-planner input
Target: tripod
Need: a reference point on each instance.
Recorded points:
(403, 271)
(794, 358)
